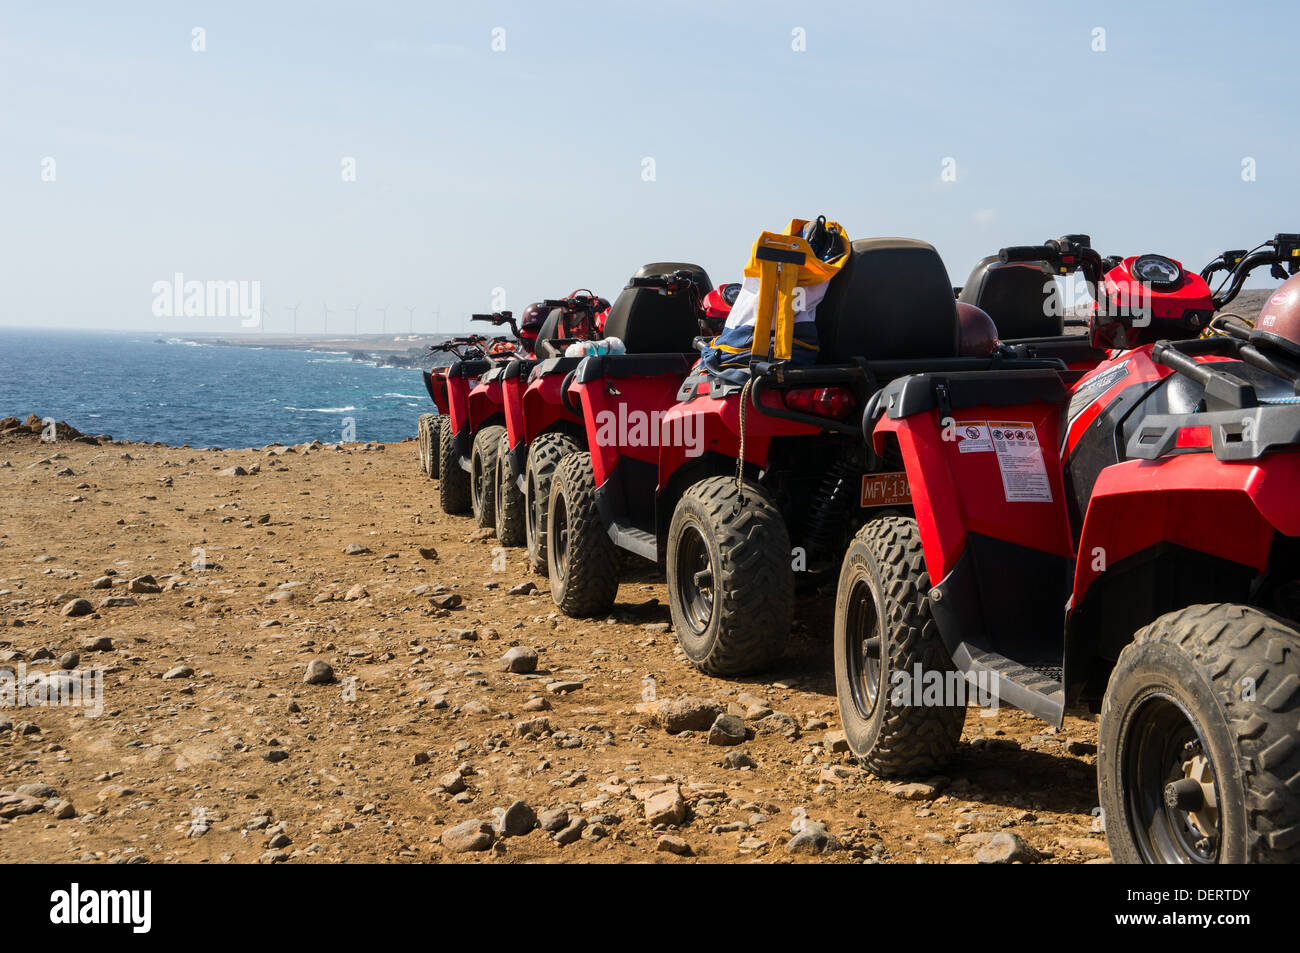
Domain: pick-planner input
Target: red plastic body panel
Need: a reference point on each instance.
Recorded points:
(1139, 368)
(627, 417)
(470, 401)
(716, 423)
(1191, 292)
(956, 493)
(533, 407)
(1229, 510)
(438, 380)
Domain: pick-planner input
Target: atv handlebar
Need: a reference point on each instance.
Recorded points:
(498, 318)
(1015, 253)
(1062, 256)
(669, 283)
(1281, 253)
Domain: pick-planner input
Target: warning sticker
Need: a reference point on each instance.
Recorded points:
(973, 437)
(1020, 458)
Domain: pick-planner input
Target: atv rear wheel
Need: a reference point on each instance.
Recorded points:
(884, 633)
(583, 563)
(453, 482)
(544, 455)
(730, 578)
(483, 475)
(423, 443)
(435, 433)
(1198, 755)
(510, 500)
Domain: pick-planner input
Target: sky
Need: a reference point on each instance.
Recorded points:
(437, 159)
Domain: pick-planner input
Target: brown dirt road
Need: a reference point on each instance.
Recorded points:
(232, 758)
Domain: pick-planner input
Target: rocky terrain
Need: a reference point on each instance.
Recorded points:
(303, 660)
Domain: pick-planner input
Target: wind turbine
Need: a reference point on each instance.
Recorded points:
(355, 311)
(325, 316)
(294, 312)
(410, 313)
(383, 318)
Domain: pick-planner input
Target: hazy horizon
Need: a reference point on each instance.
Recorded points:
(435, 160)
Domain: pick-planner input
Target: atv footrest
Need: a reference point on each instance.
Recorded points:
(1022, 686)
(634, 540)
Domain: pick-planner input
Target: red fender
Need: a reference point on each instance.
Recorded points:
(1229, 510)
(956, 493)
(714, 425)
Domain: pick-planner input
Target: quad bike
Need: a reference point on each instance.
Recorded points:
(1128, 538)
(473, 389)
(469, 347)
(533, 409)
(545, 423)
(738, 489)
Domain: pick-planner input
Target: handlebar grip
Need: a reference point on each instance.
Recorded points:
(482, 317)
(1027, 253)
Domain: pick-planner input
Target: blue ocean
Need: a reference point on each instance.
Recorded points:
(133, 387)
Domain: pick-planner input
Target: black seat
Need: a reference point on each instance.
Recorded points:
(648, 322)
(548, 333)
(891, 300)
(1022, 301)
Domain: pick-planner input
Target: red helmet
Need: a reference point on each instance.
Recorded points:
(977, 335)
(530, 322)
(1278, 325)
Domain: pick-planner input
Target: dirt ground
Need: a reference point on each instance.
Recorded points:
(212, 748)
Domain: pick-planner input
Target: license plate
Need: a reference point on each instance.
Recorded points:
(885, 489)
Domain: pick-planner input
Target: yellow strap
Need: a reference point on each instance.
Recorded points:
(766, 300)
(787, 277)
(777, 282)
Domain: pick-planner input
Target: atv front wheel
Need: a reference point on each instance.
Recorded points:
(884, 637)
(1198, 760)
(544, 455)
(582, 561)
(453, 482)
(483, 475)
(510, 500)
(730, 577)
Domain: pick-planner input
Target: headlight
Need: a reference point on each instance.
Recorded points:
(1157, 271)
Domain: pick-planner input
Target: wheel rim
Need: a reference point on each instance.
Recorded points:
(1170, 793)
(476, 481)
(695, 574)
(558, 527)
(862, 642)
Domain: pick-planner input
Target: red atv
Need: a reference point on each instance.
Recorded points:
(741, 487)
(545, 421)
(1127, 538)
(536, 419)
(473, 388)
(429, 428)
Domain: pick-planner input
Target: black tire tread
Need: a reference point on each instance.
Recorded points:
(589, 584)
(544, 455)
(1229, 643)
(509, 499)
(483, 458)
(754, 596)
(453, 483)
(913, 740)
